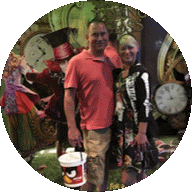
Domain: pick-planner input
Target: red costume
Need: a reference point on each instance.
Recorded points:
(53, 75)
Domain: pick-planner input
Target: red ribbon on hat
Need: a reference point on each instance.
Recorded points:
(63, 51)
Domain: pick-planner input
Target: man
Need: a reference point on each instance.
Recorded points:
(90, 75)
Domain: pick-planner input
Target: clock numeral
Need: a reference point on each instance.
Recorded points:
(178, 89)
(162, 92)
(179, 105)
(167, 88)
(169, 110)
(182, 99)
(160, 103)
(159, 98)
(38, 40)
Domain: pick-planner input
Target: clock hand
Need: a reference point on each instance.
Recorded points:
(171, 98)
(37, 60)
(42, 50)
(43, 53)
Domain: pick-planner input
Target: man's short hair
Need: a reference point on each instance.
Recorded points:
(95, 20)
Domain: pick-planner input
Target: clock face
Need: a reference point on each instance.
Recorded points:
(36, 51)
(171, 98)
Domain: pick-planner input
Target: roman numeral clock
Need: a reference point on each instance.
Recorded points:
(35, 49)
(171, 96)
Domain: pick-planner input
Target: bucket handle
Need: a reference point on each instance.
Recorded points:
(81, 156)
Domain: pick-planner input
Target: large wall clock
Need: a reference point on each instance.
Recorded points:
(171, 98)
(36, 50)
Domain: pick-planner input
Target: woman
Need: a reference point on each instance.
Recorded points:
(133, 110)
(19, 106)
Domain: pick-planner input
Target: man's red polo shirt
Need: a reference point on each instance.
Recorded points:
(94, 83)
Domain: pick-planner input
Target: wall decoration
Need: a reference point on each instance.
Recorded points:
(121, 18)
(170, 58)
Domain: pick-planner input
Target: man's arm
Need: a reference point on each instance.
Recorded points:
(74, 135)
(69, 107)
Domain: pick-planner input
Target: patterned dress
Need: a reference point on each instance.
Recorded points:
(132, 107)
(18, 103)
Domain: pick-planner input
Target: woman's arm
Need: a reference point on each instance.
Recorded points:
(143, 107)
(142, 87)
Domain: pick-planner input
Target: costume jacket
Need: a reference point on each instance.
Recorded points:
(54, 77)
(134, 91)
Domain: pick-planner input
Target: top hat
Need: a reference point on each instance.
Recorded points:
(60, 43)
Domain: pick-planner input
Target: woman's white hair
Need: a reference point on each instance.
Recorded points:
(128, 38)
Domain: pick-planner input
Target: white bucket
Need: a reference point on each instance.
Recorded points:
(74, 168)
(70, 149)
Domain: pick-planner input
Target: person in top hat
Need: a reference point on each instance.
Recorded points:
(59, 41)
(54, 76)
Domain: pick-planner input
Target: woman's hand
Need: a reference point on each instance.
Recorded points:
(24, 63)
(141, 141)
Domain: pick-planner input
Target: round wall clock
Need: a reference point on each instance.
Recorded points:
(171, 98)
(36, 50)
